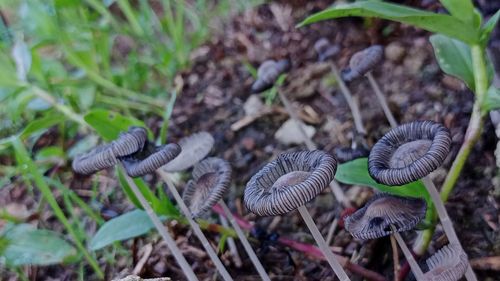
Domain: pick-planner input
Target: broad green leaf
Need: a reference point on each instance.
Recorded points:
(126, 226)
(454, 58)
(488, 28)
(356, 172)
(25, 245)
(109, 124)
(492, 101)
(439, 23)
(41, 124)
(461, 9)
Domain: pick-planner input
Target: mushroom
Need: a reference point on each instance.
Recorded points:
(268, 73)
(411, 152)
(211, 179)
(447, 264)
(105, 156)
(326, 51)
(361, 64)
(289, 182)
(149, 159)
(194, 148)
(387, 214)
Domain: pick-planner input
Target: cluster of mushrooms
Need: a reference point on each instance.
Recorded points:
(405, 154)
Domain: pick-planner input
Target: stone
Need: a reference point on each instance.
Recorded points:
(289, 133)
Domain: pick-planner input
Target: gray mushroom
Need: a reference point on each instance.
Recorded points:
(383, 210)
(325, 50)
(149, 159)
(267, 74)
(448, 264)
(363, 62)
(211, 179)
(194, 148)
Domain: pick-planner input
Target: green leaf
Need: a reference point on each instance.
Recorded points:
(433, 22)
(26, 245)
(41, 124)
(109, 124)
(488, 28)
(356, 172)
(123, 227)
(461, 9)
(454, 58)
(492, 101)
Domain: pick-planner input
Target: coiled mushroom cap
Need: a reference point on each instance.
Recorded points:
(105, 156)
(267, 74)
(448, 264)
(374, 220)
(149, 159)
(363, 62)
(211, 179)
(324, 49)
(194, 148)
(409, 152)
(289, 182)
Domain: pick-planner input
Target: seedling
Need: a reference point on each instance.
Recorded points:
(211, 179)
(361, 64)
(289, 182)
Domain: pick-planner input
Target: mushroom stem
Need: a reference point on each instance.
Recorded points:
(446, 222)
(382, 100)
(356, 115)
(337, 191)
(419, 275)
(331, 230)
(196, 228)
(248, 248)
(186, 268)
(231, 243)
(337, 268)
(395, 257)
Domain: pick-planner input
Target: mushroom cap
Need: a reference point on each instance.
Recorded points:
(363, 62)
(130, 142)
(194, 148)
(374, 220)
(409, 152)
(324, 49)
(288, 182)
(149, 159)
(448, 264)
(211, 179)
(267, 74)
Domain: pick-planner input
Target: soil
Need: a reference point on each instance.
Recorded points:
(215, 90)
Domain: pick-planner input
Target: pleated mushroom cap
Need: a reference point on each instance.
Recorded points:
(374, 220)
(448, 264)
(267, 74)
(289, 182)
(211, 179)
(324, 49)
(409, 152)
(105, 156)
(363, 62)
(194, 148)
(149, 159)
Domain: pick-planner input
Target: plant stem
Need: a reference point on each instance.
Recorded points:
(248, 248)
(337, 268)
(408, 255)
(186, 268)
(382, 100)
(27, 166)
(196, 228)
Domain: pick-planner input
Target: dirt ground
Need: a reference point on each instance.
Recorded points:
(213, 97)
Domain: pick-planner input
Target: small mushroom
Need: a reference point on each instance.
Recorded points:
(149, 159)
(211, 179)
(194, 148)
(448, 264)
(325, 50)
(363, 62)
(105, 156)
(383, 210)
(287, 183)
(409, 152)
(267, 74)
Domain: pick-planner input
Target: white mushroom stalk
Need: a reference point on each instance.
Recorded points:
(415, 268)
